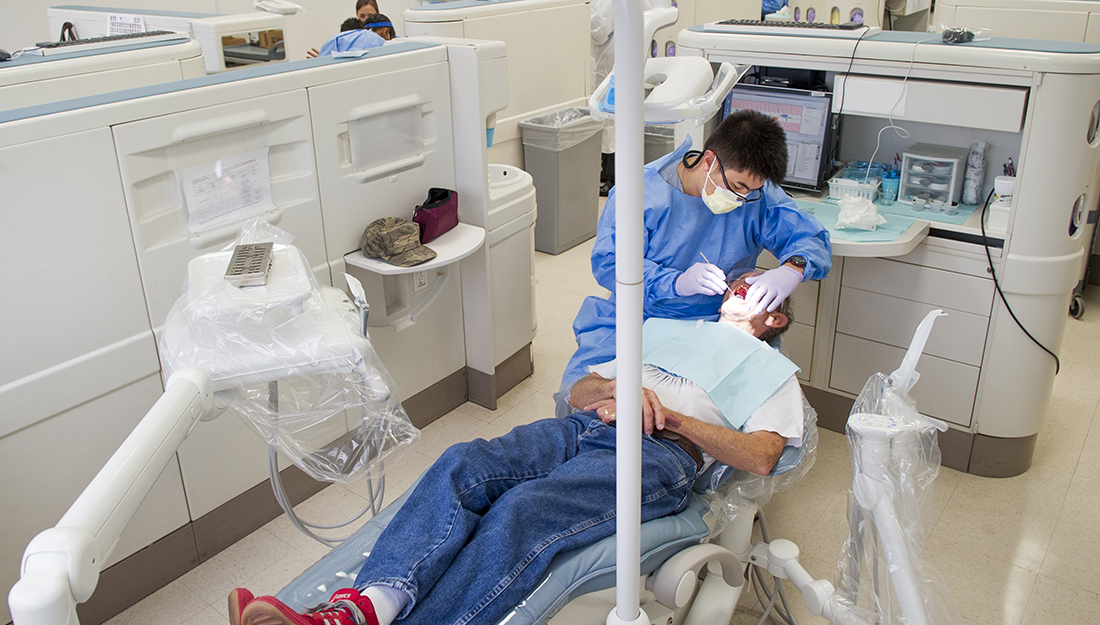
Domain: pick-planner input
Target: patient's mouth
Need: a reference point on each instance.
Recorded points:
(740, 291)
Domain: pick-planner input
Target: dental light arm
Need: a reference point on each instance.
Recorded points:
(61, 565)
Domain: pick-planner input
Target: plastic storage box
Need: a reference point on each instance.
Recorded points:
(932, 172)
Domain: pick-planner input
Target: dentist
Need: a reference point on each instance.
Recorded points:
(722, 204)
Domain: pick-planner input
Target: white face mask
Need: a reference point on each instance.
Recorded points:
(722, 200)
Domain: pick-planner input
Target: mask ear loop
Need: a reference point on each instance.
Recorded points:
(696, 154)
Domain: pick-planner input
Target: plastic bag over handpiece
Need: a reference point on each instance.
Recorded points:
(880, 576)
(962, 34)
(732, 493)
(288, 358)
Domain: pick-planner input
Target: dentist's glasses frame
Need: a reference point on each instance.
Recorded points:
(751, 196)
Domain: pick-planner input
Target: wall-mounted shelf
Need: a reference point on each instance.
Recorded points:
(450, 247)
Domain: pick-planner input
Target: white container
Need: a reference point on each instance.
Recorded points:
(932, 172)
(840, 187)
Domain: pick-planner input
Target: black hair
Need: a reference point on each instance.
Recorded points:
(362, 3)
(378, 17)
(751, 142)
(352, 23)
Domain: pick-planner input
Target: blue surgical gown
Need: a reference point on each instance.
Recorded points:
(677, 228)
(349, 40)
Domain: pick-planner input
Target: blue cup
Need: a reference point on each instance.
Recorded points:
(889, 190)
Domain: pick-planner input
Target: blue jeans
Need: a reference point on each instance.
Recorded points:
(479, 531)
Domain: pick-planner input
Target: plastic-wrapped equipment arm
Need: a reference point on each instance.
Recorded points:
(61, 565)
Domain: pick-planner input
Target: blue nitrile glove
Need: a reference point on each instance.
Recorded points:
(770, 288)
(701, 278)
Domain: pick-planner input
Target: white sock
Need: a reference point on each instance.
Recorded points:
(388, 602)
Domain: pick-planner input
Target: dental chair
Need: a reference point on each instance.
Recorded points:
(713, 531)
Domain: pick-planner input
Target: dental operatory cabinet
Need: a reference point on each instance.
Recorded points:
(97, 245)
(1032, 101)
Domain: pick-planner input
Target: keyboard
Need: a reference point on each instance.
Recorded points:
(49, 48)
(852, 30)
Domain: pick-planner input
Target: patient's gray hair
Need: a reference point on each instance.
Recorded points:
(771, 334)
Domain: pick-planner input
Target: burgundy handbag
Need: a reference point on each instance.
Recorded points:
(438, 213)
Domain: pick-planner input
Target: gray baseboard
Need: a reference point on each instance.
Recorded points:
(438, 399)
(484, 388)
(150, 569)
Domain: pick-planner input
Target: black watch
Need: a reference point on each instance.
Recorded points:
(797, 261)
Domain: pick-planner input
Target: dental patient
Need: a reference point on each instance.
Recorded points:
(479, 530)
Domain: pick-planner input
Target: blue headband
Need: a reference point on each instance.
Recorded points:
(378, 25)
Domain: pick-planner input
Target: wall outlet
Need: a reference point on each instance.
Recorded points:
(420, 281)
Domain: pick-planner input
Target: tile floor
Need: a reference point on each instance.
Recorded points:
(1019, 550)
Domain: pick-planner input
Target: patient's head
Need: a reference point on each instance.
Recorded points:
(381, 25)
(765, 326)
(352, 23)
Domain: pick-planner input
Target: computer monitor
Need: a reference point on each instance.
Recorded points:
(805, 116)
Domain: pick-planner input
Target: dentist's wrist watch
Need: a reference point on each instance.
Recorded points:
(796, 261)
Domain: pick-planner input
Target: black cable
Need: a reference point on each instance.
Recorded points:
(68, 32)
(989, 257)
(851, 62)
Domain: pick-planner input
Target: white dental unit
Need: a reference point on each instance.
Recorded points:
(548, 55)
(97, 244)
(228, 41)
(1062, 20)
(1032, 101)
(30, 79)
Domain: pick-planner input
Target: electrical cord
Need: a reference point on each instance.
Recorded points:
(898, 130)
(68, 32)
(997, 284)
(851, 62)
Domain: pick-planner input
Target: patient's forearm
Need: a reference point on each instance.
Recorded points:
(756, 452)
(591, 389)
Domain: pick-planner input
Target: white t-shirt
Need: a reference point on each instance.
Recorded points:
(782, 413)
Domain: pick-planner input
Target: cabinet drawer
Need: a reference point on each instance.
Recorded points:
(798, 345)
(941, 289)
(958, 336)
(946, 389)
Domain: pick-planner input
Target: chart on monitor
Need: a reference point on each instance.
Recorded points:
(804, 116)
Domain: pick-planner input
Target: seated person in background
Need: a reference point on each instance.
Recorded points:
(381, 25)
(480, 529)
(354, 38)
(363, 9)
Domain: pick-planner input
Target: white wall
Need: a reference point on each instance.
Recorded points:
(23, 22)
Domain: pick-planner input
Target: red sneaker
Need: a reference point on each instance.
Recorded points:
(238, 599)
(346, 607)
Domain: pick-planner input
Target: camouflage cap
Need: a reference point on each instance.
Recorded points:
(395, 240)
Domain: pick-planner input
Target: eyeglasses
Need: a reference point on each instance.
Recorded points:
(751, 196)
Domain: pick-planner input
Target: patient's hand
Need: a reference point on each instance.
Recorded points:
(654, 414)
